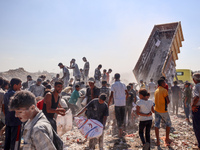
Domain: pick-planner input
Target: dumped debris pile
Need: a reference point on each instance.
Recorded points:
(181, 134)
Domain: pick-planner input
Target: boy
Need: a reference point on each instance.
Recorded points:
(38, 133)
(97, 109)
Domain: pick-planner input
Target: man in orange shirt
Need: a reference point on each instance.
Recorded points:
(161, 102)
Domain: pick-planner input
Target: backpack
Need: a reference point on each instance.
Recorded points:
(58, 143)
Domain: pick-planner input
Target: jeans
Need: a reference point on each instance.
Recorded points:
(147, 125)
(187, 110)
(196, 124)
(12, 134)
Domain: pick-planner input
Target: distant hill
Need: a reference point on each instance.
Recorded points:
(21, 73)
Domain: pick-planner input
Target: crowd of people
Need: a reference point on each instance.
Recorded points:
(28, 109)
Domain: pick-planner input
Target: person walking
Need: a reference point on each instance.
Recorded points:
(161, 102)
(120, 94)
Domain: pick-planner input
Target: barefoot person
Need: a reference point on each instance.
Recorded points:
(161, 102)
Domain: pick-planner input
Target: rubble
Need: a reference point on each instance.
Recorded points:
(182, 136)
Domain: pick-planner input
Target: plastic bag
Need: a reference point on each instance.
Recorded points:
(84, 102)
(89, 128)
(64, 123)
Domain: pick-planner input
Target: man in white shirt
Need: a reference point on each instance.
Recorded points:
(66, 75)
(120, 94)
(76, 71)
(151, 88)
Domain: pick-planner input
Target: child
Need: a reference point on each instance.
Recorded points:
(38, 132)
(144, 110)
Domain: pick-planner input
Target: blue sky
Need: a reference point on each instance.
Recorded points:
(38, 34)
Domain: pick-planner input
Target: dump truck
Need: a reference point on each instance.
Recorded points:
(160, 53)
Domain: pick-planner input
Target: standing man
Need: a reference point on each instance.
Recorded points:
(187, 100)
(108, 76)
(97, 76)
(76, 71)
(97, 109)
(13, 124)
(196, 107)
(133, 91)
(104, 75)
(37, 89)
(176, 96)
(129, 106)
(2, 93)
(57, 78)
(86, 69)
(66, 74)
(51, 103)
(161, 102)
(151, 89)
(120, 94)
(92, 91)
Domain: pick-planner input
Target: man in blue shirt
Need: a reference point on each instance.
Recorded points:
(13, 124)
